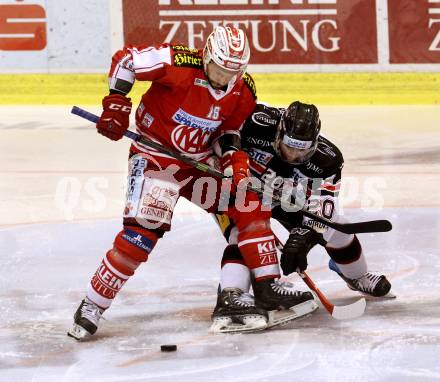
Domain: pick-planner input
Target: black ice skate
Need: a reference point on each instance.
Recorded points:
(369, 284)
(86, 320)
(282, 302)
(236, 312)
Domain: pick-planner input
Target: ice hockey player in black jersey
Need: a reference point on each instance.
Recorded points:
(287, 152)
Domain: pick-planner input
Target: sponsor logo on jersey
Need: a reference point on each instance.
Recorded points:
(256, 167)
(311, 166)
(190, 140)
(326, 149)
(187, 60)
(140, 109)
(148, 120)
(138, 240)
(183, 118)
(200, 82)
(248, 80)
(263, 119)
(183, 48)
(258, 141)
(259, 156)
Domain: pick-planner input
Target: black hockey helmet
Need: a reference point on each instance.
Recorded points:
(298, 131)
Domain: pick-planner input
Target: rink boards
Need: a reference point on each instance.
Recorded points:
(277, 89)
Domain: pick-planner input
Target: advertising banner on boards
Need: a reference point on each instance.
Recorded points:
(22, 27)
(414, 31)
(43, 36)
(279, 31)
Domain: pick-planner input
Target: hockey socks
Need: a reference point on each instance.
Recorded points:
(131, 248)
(106, 282)
(234, 273)
(349, 259)
(259, 252)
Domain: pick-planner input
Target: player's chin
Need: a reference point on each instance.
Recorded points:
(216, 85)
(289, 160)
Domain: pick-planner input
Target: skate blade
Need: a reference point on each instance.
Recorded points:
(282, 317)
(78, 332)
(228, 325)
(389, 296)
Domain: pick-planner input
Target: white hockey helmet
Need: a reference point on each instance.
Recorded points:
(228, 48)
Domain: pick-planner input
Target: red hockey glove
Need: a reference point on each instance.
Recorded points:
(240, 167)
(115, 118)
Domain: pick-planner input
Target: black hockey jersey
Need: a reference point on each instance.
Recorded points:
(317, 181)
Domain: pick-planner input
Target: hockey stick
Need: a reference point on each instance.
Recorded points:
(340, 312)
(348, 228)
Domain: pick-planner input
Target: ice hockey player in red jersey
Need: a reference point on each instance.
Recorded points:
(288, 154)
(198, 99)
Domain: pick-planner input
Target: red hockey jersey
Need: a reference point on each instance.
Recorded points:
(180, 109)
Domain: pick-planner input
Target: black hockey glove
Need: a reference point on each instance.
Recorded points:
(298, 245)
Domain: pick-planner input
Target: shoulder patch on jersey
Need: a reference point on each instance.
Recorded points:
(331, 158)
(249, 81)
(201, 82)
(325, 148)
(183, 48)
(263, 119)
(187, 60)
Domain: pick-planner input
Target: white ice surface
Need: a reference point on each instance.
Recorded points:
(46, 267)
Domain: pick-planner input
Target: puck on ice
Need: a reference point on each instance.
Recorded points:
(168, 347)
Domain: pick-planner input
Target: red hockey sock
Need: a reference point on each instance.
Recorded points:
(131, 248)
(258, 249)
(106, 282)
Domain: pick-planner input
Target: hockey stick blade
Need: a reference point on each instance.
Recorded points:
(364, 227)
(348, 228)
(339, 312)
(347, 312)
